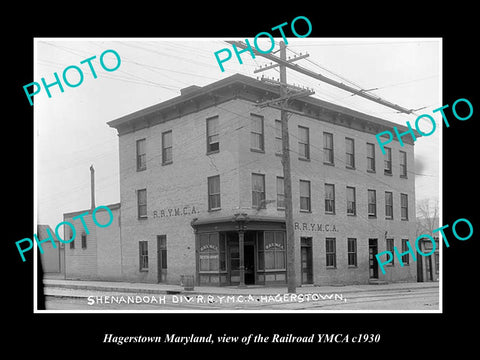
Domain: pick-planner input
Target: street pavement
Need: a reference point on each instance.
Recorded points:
(82, 295)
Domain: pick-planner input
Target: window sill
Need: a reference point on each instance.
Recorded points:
(143, 270)
(387, 174)
(281, 209)
(212, 152)
(331, 268)
(389, 218)
(403, 177)
(371, 171)
(142, 169)
(351, 214)
(352, 266)
(329, 213)
(167, 163)
(404, 219)
(306, 211)
(303, 159)
(142, 218)
(350, 167)
(215, 209)
(328, 163)
(257, 150)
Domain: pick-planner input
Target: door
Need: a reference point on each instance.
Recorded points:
(249, 258)
(162, 258)
(373, 264)
(306, 260)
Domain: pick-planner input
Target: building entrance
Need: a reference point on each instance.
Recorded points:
(372, 259)
(234, 259)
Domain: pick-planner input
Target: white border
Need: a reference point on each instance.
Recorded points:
(35, 199)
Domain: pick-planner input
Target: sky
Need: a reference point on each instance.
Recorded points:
(71, 127)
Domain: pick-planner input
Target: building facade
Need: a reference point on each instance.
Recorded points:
(201, 190)
(94, 253)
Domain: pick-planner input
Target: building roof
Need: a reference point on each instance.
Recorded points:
(78, 212)
(194, 99)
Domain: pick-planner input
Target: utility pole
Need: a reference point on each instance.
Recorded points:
(286, 92)
(287, 177)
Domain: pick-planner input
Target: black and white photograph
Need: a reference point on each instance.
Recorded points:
(220, 180)
(173, 192)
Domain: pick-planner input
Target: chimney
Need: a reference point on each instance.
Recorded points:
(92, 186)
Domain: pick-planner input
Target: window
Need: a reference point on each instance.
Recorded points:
(278, 137)
(271, 251)
(258, 191)
(388, 205)
(303, 143)
(256, 133)
(387, 161)
(330, 252)
(162, 251)
(351, 206)
(213, 143)
(437, 263)
(390, 245)
(142, 203)
(404, 206)
(352, 251)
(372, 203)
(403, 164)
(280, 194)
(214, 192)
(406, 257)
(84, 241)
(370, 157)
(329, 199)
(350, 152)
(328, 148)
(72, 243)
(167, 157)
(143, 251)
(141, 155)
(305, 204)
(209, 252)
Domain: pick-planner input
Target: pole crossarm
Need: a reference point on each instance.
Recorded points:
(332, 82)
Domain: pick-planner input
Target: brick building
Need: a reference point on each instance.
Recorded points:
(201, 180)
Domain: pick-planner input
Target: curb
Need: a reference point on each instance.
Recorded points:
(236, 292)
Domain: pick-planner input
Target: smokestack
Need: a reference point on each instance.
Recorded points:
(92, 186)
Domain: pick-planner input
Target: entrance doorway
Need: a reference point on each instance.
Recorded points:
(249, 257)
(234, 259)
(306, 260)
(373, 264)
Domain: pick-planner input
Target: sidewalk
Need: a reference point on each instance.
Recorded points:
(83, 288)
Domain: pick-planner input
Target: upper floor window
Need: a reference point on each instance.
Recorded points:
(404, 206)
(214, 192)
(351, 203)
(141, 155)
(350, 152)
(328, 148)
(303, 142)
(167, 156)
(280, 193)
(305, 203)
(387, 161)
(370, 157)
(258, 191)
(142, 203)
(388, 205)
(329, 198)
(213, 141)
(278, 137)
(256, 133)
(372, 203)
(403, 164)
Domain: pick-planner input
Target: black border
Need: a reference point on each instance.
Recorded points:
(409, 333)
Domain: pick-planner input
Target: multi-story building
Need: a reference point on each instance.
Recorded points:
(201, 190)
